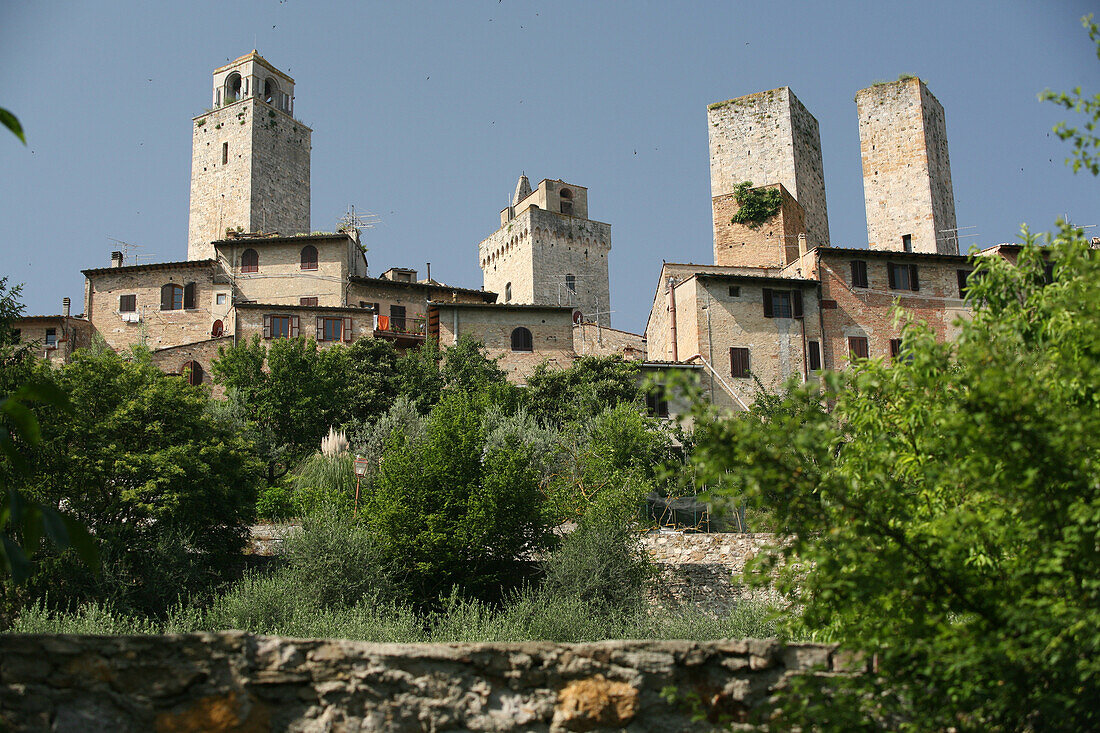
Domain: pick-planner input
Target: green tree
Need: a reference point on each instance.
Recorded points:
(944, 510)
(451, 513)
(588, 387)
(10, 121)
(140, 459)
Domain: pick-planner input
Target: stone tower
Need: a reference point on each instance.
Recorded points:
(768, 138)
(249, 158)
(548, 252)
(906, 171)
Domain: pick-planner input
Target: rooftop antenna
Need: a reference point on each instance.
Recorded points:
(1076, 226)
(354, 220)
(952, 235)
(128, 253)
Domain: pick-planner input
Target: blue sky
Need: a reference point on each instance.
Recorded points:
(425, 114)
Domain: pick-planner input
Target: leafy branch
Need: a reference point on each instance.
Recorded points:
(756, 205)
(1085, 139)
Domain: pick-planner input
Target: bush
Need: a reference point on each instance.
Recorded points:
(602, 565)
(275, 503)
(324, 483)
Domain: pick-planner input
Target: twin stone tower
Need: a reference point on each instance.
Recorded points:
(771, 139)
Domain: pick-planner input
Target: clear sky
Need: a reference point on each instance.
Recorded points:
(425, 114)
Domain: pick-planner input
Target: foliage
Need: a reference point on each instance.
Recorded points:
(600, 564)
(275, 503)
(324, 482)
(10, 121)
(454, 514)
(1086, 140)
(944, 510)
(588, 387)
(140, 460)
(418, 375)
(755, 205)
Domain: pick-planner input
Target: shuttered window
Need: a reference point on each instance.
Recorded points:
(739, 362)
(309, 257)
(280, 327)
(895, 348)
(127, 303)
(859, 274)
(814, 356)
(189, 296)
(782, 303)
(308, 301)
(902, 277)
(964, 276)
(397, 317)
(857, 347)
(171, 297)
(333, 329)
(250, 261)
(522, 340)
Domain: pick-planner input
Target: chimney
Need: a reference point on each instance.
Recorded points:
(801, 246)
(116, 259)
(65, 304)
(429, 272)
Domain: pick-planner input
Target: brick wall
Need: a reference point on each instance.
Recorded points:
(772, 244)
(280, 277)
(551, 331)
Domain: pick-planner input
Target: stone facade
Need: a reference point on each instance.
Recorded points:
(768, 138)
(773, 244)
(54, 338)
(307, 321)
(906, 170)
(591, 339)
(551, 329)
(550, 256)
(868, 312)
(234, 681)
(149, 324)
(182, 360)
(250, 159)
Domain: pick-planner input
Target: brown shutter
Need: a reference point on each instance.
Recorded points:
(294, 327)
(189, 296)
(166, 298)
(735, 361)
(796, 303)
(320, 328)
(768, 310)
(267, 327)
(890, 274)
(913, 283)
(347, 329)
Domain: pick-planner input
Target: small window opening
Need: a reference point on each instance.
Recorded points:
(566, 201)
(192, 372)
(218, 329)
(857, 347)
(522, 340)
(507, 292)
(232, 88)
(397, 318)
(171, 297)
(308, 300)
(571, 283)
(859, 274)
(225, 153)
(271, 91)
(51, 338)
(739, 362)
(332, 329)
(309, 257)
(735, 291)
(815, 356)
(221, 298)
(127, 303)
(907, 242)
(250, 261)
(655, 405)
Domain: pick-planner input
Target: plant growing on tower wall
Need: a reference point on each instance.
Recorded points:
(756, 205)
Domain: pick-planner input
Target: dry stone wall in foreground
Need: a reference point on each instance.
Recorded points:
(234, 681)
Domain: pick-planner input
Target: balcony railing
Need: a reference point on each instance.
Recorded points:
(400, 326)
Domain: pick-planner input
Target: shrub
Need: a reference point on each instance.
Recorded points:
(275, 503)
(600, 564)
(323, 483)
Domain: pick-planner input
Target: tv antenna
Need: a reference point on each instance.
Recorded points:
(129, 253)
(352, 219)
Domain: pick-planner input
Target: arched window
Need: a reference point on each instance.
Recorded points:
(250, 261)
(566, 201)
(521, 340)
(271, 91)
(217, 329)
(571, 282)
(192, 372)
(508, 292)
(171, 297)
(309, 257)
(232, 88)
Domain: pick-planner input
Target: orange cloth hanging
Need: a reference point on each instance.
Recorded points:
(383, 323)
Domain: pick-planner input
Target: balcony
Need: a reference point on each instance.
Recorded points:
(404, 332)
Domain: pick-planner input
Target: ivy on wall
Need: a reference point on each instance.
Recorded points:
(756, 205)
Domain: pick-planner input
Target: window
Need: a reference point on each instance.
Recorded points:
(654, 405)
(127, 303)
(859, 274)
(906, 242)
(309, 257)
(51, 338)
(189, 296)
(735, 291)
(857, 347)
(895, 348)
(782, 303)
(522, 340)
(508, 292)
(192, 372)
(312, 300)
(171, 297)
(250, 261)
(217, 329)
(963, 276)
(739, 362)
(815, 356)
(1048, 273)
(902, 277)
(397, 317)
(225, 153)
(271, 90)
(280, 327)
(571, 283)
(221, 298)
(232, 87)
(16, 335)
(333, 329)
(566, 201)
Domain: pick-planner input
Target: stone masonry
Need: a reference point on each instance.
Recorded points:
(232, 681)
(250, 160)
(772, 244)
(767, 138)
(906, 170)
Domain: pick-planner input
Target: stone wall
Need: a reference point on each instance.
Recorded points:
(699, 569)
(280, 278)
(772, 244)
(234, 681)
(590, 339)
(906, 171)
